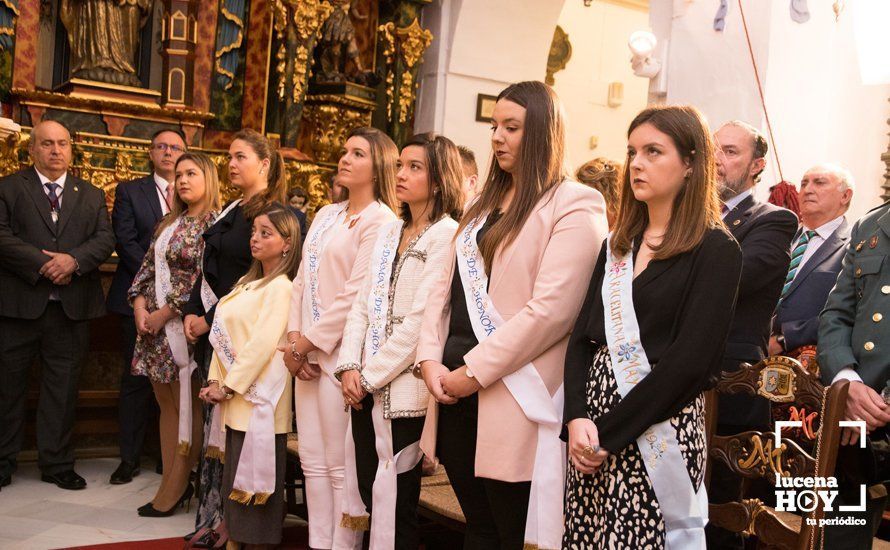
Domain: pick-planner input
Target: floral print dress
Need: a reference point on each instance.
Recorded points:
(152, 356)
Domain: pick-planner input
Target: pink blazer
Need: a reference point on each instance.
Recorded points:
(537, 284)
(342, 268)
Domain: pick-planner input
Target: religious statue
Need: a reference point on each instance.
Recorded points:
(337, 55)
(104, 38)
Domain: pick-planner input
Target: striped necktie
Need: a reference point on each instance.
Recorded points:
(796, 258)
(52, 193)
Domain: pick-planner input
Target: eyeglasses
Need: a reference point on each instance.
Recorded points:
(165, 147)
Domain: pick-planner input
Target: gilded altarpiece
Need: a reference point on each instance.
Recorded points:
(304, 72)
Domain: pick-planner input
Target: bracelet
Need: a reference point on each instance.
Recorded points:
(298, 357)
(140, 307)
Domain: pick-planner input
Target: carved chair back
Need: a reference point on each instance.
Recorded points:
(809, 450)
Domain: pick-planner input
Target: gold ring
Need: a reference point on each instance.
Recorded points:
(590, 451)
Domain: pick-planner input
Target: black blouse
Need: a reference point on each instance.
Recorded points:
(461, 338)
(684, 306)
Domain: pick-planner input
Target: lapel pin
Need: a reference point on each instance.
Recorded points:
(860, 245)
(873, 241)
(75, 189)
(736, 222)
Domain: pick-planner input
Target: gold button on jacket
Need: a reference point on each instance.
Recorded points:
(877, 317)
(869, 346)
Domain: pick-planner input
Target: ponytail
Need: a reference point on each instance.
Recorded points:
(277, 188)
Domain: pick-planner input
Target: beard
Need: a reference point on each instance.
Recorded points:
(729, 188)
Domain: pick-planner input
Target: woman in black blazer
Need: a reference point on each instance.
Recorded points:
(634, 405)
(257, 170)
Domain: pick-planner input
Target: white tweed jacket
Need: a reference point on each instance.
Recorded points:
(391, 370)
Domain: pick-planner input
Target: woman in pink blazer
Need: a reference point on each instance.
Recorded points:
(494, 362)
(336, 254)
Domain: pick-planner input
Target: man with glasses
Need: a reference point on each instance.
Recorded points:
(54, 235)
(138, 206)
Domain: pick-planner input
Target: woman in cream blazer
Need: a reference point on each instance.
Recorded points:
(377, 355)
(248, 377)
(497, 377)
(336, 252)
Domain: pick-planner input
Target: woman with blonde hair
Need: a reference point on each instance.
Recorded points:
(248, 378)
(650, 334)
(380, 340)
(602, 174)
(159, 292)
(336, 254)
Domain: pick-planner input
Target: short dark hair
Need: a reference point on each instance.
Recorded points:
(468, 161)
(761, 148)
(297, 192)
(443, 167)
(176, 131)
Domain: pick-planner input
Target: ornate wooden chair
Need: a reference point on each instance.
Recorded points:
(753, 455)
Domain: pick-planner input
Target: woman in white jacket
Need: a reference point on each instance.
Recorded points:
(375, 366)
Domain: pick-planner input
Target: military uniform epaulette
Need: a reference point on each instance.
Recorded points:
(878, 207)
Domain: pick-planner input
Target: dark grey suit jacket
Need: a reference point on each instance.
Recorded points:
(797, 317)
(26, 228)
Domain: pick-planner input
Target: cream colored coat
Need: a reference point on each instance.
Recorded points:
(255, 318)
(391, 369)
(341, 272)
(537, 284)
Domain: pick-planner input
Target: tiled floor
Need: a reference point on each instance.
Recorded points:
(37, 515)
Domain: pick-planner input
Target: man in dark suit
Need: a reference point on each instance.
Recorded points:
(54, 234)
(764, 233)
(138, 206)
(825, 194)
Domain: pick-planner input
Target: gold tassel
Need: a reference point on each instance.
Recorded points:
(240, 496)
(356, 523)
(183, 448)
(214, 452)
(261, 498)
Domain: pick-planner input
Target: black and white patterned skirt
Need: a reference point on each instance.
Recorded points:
(616, 507)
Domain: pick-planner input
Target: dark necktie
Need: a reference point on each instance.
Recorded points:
(52, 189)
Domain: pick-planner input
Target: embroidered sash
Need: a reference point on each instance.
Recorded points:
(355, 515)
(216, 441)
(176, 338)
(544, 523)
(685, 510)
(255, 476)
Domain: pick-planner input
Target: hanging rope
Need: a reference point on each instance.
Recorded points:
(783, 194)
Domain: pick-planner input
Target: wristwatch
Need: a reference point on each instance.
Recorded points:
(780, 339)
(230, 393)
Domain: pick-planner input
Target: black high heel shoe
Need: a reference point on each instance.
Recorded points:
(149, 511)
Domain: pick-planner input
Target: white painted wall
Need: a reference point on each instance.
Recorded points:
(819, 108)
(482, 46)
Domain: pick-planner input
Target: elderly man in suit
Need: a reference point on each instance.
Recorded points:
(854, 344)
(54, 234)
(138, 206)
(764, 233)
(825, 194)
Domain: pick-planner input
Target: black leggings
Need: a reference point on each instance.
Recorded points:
(495, 510)
(405, 431)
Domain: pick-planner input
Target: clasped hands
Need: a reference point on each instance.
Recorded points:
(212, 394)
(59, 268)
(584, 446)
(151, 323)
(448, 386)
(194, 327)
(865, 404)
(299, 367)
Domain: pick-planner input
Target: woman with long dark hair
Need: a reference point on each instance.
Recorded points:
(650, 334)
(336, 255)
(496, 328)
(380, 340)
(159, 291)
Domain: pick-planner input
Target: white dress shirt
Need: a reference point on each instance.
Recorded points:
(161, 185)
(822, 233)
(60, 182)
(734, 201)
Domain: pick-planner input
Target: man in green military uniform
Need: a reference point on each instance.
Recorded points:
(854, 344)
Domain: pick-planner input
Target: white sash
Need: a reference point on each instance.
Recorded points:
(389, 466)
(544, 523)
(216, 441)
(176, 338)
(255, 476)
(685, 510)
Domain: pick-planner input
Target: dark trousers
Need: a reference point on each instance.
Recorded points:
(136, 405)
(61, 345)
(405, 431)
(496, 511)
(857, 467)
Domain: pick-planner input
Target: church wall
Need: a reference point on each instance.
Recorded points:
(819, 109)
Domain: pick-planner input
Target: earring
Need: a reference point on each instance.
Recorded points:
(284, 254)
(435, 191)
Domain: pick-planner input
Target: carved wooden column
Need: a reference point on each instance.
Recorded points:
(178, 40)
(403, 42)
